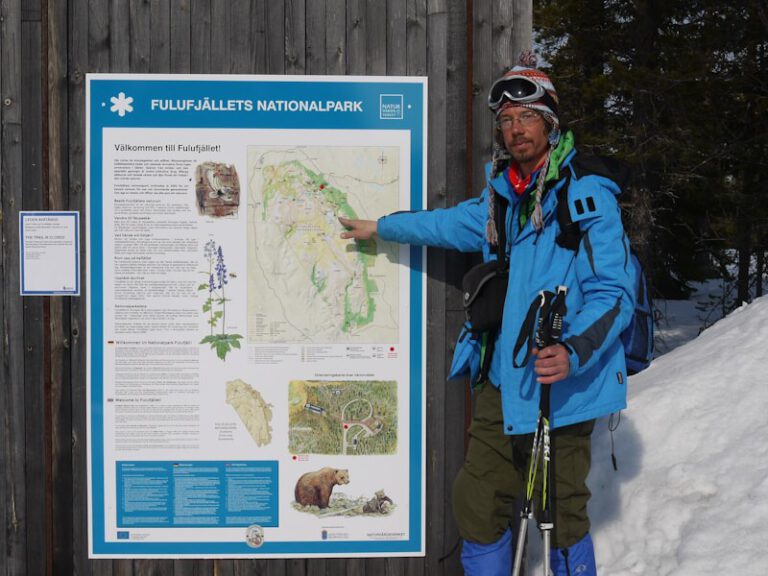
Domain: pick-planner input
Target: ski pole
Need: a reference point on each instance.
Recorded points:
(549, 331)
(547, 521)
(546, 524)
(526, 513)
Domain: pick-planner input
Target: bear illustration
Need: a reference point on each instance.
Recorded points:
(379, 504)
(314, 488)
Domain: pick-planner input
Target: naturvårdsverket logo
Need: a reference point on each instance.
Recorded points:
(391, 107)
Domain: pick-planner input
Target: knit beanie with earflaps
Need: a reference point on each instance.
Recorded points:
(526, 68)
(547, 107)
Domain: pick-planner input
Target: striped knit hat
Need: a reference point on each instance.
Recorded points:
(547, 104)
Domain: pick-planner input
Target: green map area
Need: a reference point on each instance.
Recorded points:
(358, 417)
(305, 282)
(293, 181)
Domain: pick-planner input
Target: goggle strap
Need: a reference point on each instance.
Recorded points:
(547, 100)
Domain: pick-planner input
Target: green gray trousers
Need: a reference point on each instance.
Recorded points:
(495, 473)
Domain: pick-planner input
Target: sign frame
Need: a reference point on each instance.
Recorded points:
(373, 107)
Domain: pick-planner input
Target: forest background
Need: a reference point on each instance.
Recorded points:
(679, 90)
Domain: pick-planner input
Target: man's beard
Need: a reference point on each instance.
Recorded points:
(523, 156)
(532, 151)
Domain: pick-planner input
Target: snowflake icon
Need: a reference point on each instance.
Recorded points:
(121, 104)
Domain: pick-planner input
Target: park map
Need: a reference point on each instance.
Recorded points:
(306, 284)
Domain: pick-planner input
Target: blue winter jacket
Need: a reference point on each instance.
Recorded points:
(599, 299)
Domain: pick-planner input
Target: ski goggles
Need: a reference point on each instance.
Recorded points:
(519, 89)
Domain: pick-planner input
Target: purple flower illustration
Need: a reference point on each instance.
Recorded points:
(216, 303)
(221, 268)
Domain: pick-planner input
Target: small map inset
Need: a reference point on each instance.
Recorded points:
(357, 417)
(254, 412)
(217, 189)
(306, 284)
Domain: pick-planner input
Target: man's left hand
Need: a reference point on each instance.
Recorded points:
(552, 363)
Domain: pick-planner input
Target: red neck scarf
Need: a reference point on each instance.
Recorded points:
(519, 183)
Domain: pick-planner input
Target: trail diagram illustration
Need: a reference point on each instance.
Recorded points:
(351, 418)
(306, 284)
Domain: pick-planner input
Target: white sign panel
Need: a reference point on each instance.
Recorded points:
(50, 253)
(256, 383)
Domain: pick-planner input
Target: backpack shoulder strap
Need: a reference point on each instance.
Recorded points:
(570, 233)
(501, 228)
(605, 166)
(584, 165)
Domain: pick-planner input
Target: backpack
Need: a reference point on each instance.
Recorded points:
(637, 338)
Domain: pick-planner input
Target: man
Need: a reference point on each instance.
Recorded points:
(531, 163)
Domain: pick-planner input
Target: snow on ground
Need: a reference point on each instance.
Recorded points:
(690, 497)
(691, 493)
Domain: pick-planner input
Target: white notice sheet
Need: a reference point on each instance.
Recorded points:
(50, 253)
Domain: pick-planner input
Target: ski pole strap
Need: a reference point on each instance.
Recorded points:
(527, 335)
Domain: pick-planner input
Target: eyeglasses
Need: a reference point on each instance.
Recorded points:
(525, 119)
(515, 88)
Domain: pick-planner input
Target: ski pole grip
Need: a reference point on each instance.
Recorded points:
(544, 400)
(543, 326)
(559, 310)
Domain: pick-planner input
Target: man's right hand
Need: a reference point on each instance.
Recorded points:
(358, 229)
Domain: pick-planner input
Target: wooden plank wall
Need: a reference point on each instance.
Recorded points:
(46, 48)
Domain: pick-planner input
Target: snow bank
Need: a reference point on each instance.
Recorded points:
(691, 493)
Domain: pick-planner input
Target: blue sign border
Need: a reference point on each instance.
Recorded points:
(109, 98)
